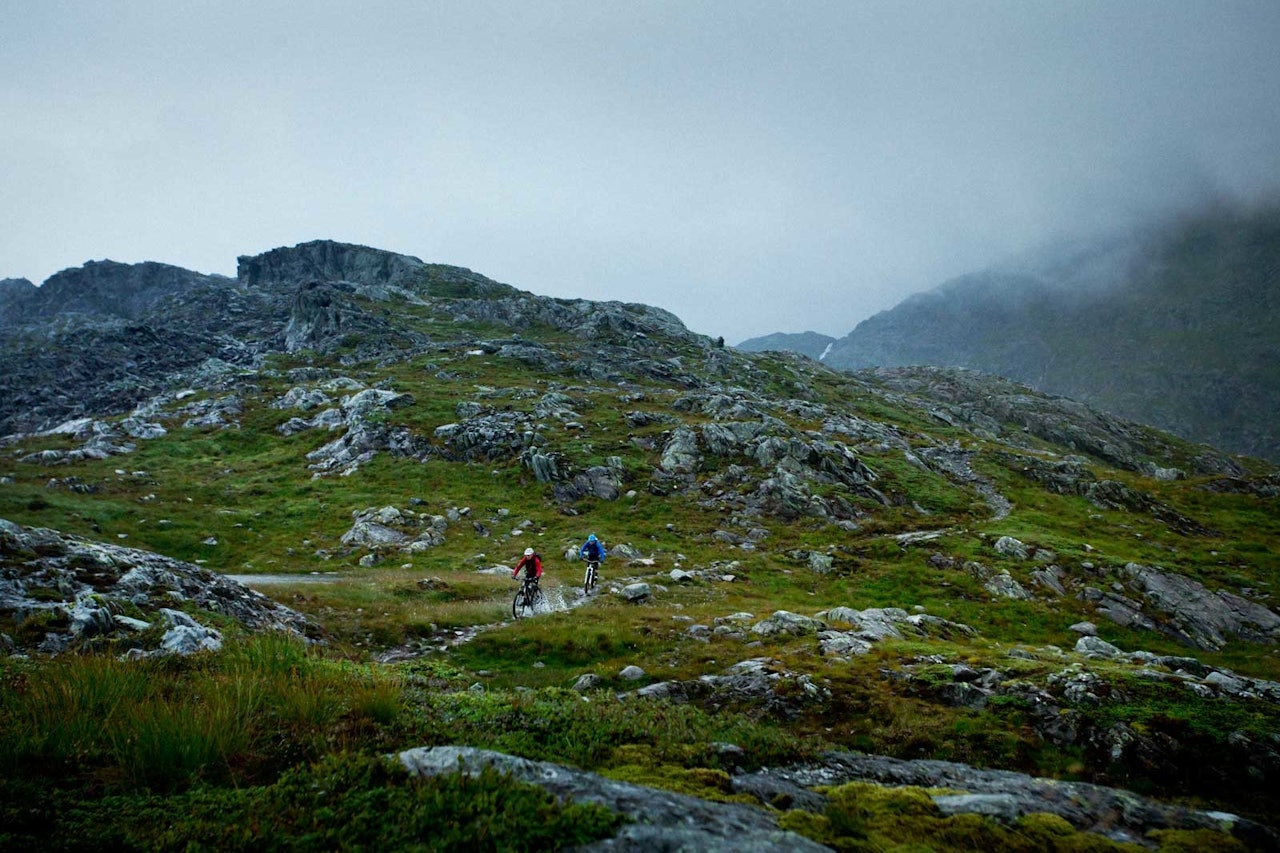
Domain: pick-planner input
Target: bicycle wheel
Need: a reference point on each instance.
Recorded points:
(588, 580)
(518, 605)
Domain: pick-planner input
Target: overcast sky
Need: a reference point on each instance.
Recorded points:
(751, 166)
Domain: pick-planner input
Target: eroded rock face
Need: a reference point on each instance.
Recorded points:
(325, 260)
(57, 591)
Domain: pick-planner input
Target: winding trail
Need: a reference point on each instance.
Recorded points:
(954, 462)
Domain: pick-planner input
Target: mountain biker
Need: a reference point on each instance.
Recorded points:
(592, 550)
(531, 563)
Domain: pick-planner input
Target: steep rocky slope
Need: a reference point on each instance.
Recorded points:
(1178, 327)
(938, 566)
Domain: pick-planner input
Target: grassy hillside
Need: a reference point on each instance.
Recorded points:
(241, 749)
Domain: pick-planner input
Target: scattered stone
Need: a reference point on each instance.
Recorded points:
(1093, 646)
(636, 592)
(587, 681)
(1010, 547)
(785, 623)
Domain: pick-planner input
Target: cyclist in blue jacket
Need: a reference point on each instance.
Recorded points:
(592, 550)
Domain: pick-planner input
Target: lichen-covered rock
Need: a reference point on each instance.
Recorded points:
(636, 592)
(786, 623)
(680, 455)
(1117, 814)
(659, 820)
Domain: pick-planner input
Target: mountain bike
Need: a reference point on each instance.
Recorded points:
(528, 599)
(589, 580)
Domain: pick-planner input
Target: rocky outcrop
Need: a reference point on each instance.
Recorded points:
(365, 437)
(760, 685)
(391, 529)
(59, 592)
(13, 291)
(879, 623)
(1185, 609)
(328, 261)
(1116, 814)
(658, 820)
(105, 289)
(497, 435)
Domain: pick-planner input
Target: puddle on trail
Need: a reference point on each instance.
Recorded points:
(279, 580)
(554, 599)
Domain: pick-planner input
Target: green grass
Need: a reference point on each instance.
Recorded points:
(342, 802)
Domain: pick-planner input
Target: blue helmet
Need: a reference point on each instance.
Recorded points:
(591, 538)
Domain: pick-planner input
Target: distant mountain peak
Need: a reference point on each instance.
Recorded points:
(813, 344)
(1175, 326)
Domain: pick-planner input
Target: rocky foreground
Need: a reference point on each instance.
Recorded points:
(667, 821)
(63, 592)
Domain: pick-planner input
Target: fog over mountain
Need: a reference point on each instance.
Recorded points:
(750, 166)
(1177, 326)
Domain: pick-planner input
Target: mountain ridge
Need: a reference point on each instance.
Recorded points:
(989, 589)
(1178, 327)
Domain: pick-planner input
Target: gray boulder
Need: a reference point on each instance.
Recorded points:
(1010, 547)
(636, 592)
(587, 681)
(784, 623)
(1097, 647)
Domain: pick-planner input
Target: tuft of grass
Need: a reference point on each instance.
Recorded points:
(343, 802)
(165, 724)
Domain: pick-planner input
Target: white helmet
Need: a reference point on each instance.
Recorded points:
(528, 552)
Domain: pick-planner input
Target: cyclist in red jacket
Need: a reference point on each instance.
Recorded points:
(531, 563)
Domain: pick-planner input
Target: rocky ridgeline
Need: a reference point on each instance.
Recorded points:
(99, 339)
(60, 592)
(987, 406)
